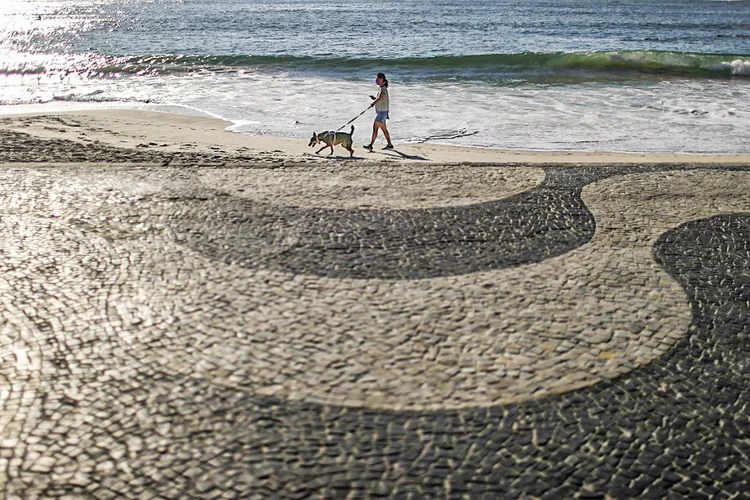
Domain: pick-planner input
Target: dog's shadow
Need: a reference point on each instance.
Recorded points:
(338, 157)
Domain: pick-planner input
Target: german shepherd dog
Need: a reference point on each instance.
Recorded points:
(331, 139)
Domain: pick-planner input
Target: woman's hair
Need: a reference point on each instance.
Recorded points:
(385, 80)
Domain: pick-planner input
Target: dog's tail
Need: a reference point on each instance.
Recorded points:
(352, 132)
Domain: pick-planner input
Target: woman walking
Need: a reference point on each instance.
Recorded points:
(381, 109)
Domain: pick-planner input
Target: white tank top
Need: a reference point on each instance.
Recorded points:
(382, 105)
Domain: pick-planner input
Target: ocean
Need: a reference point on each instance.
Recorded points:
(573, 75)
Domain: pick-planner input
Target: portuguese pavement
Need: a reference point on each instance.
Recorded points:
(209, 327)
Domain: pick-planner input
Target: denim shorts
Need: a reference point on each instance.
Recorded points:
(381, 116)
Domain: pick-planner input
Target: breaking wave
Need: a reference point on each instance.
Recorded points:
(550, 67)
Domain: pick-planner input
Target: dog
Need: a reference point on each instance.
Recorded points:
(331, 139)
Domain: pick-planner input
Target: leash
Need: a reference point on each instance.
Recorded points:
(347, 123)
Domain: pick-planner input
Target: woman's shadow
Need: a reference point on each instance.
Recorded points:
(395, 153)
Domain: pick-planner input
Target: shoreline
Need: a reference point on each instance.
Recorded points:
(170, 133)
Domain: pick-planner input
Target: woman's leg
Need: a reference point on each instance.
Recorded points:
(375, 126)
(385, 133)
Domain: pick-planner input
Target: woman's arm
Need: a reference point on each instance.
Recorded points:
(378, 98)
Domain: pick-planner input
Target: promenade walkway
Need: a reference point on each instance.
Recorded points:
(222, 329)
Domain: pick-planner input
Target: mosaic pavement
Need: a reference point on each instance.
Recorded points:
(351, 331)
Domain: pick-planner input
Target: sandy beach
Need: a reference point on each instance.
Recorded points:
(149, 136)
